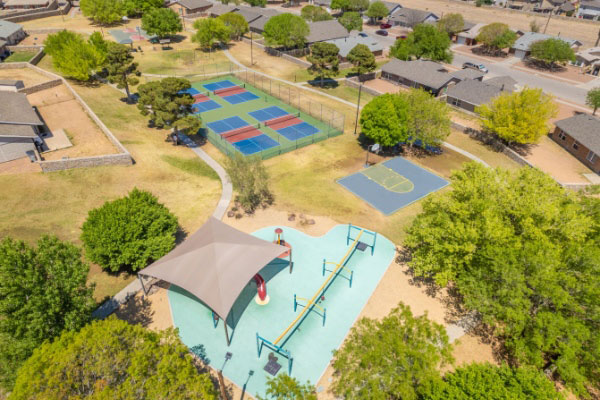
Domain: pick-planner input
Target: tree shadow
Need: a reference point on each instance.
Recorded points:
(489, 52)
(543, 66)
(137, 311)
(328, 83)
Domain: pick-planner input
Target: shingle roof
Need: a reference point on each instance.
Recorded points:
(584, 128)
(411, 15)
(10, 130)
(35, 3)
(8, 28)
(253, 13)
(525, 41)
(503, 82)
(590, 55)
(321, 31)
(194, 4)
(3, 42)
(259, 23)
(467, 73)
(220, 9)
(347, 44)
(473, 92)
(389, 5)
(15, 109)
(472, 32)
(427, 73)
(590, 3)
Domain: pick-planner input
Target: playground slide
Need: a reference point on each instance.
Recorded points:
(261, 287)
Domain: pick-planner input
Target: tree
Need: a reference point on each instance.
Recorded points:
(43, 291)
(324, 59)
(250, 179)
(534, 26)
(351, 20)
(257, 3)
(236, 23)
(384, 119)
(451, 24)
(210, 31)
(428, 119)
(135, 8)
(520, 117)
(165, 101)
(129, 232)
(523, 255)
(377, 10)
(486, 381)
(161, 22)
(357, 5)
(425, 41)
(285, 387)
(552, 51)
(315, 13)
(73, 56)
(363, 60)
(391, 358)
(286, 30)
(342, 5)
(112, 359)
(120, 67)
(495, 37)
(190, 125)
(593, 99)
(103, 12)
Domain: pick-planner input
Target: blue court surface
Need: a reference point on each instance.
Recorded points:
(219, 85)
(227, 124)
(268, 113)
(255, 144)
(190, 91)
(388, 201)
(205, 106)
(240, 97)
(295, 132)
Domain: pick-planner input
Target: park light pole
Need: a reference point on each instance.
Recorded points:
(375, 149)
(357, 107)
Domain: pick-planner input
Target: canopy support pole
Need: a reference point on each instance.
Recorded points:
(142, 283)
(226, 332)
(291, 263)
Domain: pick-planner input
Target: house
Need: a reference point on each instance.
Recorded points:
(11, 33)
(522, 45)
(249, 13)
(427, 75)
(258, 25)
(219, 9)
(589, 60)
(392, 7)
(190, 7)
(19, 127)
(26, 4)
(580, 136)
(11, 85)
(322, 31)
(469, 94)
(505, 83)
(469, 37)
(3, 50)
(589, 9)
(409, 17)
(468, 73)
(348, 43)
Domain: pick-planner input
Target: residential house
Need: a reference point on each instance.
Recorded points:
(219, 9)
(522, 45)
(249, 13)
(589, 60)
(469, 36)
(3, 50)
(504, 82)
(469, 94)
(580, 136)
(348, 43)
(11, 85)
(392, 7)
(11, 33)
(26, 4)
(409, 17)
(258, 24)
(424, 74)
(322, 31)
(19, 127)
(555, 6)
(468, 73)
(589, 9)
(190, 7)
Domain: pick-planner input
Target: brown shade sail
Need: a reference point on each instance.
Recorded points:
(215, 264)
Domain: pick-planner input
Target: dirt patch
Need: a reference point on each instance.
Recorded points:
(27, 75)
(475, 51)
(36, 39)
(19, 166)
(383, 86)
(568, 73)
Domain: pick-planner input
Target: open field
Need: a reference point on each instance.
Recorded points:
(27, 75)
(75, 22)
(345, 92)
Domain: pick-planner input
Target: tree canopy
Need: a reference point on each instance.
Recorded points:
(520, 117)
(210, 31)
(73, 56)
(236, 23)
(104, 12)
(120, 67)
(358, 5)
(391, 358)
(135, 8)
(425, 41)
(112, 359)
(340, 4)
(451, 23)
(129, 232)
(592, 99)
(250, 179)
(363, 60)
(324, 59)
(43, 291)
(429, 119)
(552, 51)
(351, 20)
(164, 101)
(496, 36)
(286, 30)
(315, 13)
(377, 10)
(161, 22)
(524, 256)
(285, 387)
(256, 3)
(385, 119)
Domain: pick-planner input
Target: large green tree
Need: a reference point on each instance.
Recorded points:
(519, 117)
(285, 387)
(552, 51)
(358, 5)
(495, 37)
(391, 358)
(164, 100)
(236, 23)
(362, 58)
(250, 180)
(73, 56)
(121, 67)
(135, 8)
(161, 22)
(286, 30)
(451, 23)
(385, 119)
(112, 359)
(524, 256)
(428, 118)
(315, 13)
(592, 99)
(129, 232)
(351, 20)
(425, 41)
(103, 12)
(324, 59)
(210, 31)
(43, 291)
(377, 10)
(340, 5)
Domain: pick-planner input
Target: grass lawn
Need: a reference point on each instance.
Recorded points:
(20, 56)
(344, 92)
(184, 59)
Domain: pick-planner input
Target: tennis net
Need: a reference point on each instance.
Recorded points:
(279, 120)
(201, 95)
(229, 89)
(239, 131)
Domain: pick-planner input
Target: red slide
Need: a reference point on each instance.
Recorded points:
(261, 287)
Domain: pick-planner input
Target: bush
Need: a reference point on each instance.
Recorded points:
(251, 180)
(129, 232)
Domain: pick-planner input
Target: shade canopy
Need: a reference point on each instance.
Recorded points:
(215, 264)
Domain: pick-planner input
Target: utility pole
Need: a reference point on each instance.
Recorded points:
(357, 107)
(548, 21)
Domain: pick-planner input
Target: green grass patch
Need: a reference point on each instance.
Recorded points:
(193, 166)
(346, 93)
(21, 56)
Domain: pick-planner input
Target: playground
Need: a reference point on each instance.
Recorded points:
(241, 118)
(292, 319)
(392, 184)
(130, 35)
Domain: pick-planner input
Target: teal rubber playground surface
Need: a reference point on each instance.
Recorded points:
(310, 344)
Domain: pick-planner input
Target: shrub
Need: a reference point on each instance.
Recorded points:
(251, 180)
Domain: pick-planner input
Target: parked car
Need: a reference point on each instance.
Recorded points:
(401, 37)
(362, 34)
(478, 67)
(382, 32)
(385, 26)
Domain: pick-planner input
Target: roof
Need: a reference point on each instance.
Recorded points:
(467, 73)
(193, 4)
(584, 128)
(8, 28)
(589, 3)
(249, 13)
(427, 73)
(35, 3)
(568, 6)
(12, 82)
(3, 42)
(347, 44)
(504, 82)
(15, 109)
(11, 130)
(472, 32)
(259, 24)
(473, 92)
(220, 9)
(389, 5)
(215, 264)
(321, 31)
(528, 38)
(411, 15)
(590, 55)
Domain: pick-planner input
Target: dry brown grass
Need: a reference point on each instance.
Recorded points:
(27, 75)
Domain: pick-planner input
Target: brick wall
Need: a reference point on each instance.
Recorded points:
(580, 153)
(85, 162)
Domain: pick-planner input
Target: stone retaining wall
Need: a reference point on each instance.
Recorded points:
(43, 31)
(33, 14)
(353, 82)
(41, 86)
(85, 162)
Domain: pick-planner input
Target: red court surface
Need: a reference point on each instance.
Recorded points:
(200, 98)
(230, 91)
(282, 122)
(237, 137)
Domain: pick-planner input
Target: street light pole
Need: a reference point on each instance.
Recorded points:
(357, 108)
